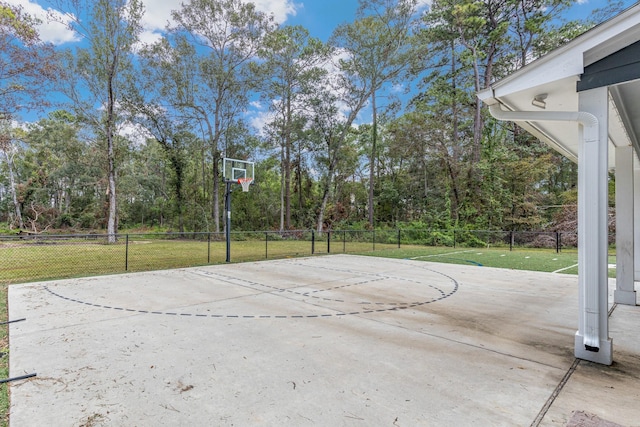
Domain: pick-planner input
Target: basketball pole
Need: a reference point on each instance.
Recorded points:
(227, 211)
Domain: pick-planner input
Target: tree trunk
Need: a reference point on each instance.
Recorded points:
(372, 160)
(287, 183)
(216, 191)
(67, 196)
(12, 189)
(325, 197)
(477, 120)
(454, 139)
(203, 166)
(299, 181)
(177, 164)
(323, 205)
(455, 200)
(111, 221)
(282, 185)
(214, 136)
(287, 166)
(164, 193)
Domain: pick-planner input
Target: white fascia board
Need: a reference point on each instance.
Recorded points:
(486, 96)
(614, 39)
(544, 72)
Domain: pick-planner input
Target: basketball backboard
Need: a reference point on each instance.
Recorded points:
(234, 169)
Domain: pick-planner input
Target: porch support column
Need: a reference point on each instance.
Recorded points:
(636, 230)
(592, 340)
(625, 292)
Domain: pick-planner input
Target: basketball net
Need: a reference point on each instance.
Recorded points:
(245, 182)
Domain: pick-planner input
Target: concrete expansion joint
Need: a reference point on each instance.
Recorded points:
(556, 392)
(563, 382)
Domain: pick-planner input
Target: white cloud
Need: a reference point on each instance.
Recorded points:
(20, 125)
(259, 121)
(147, 38)
(156, 16)
(398, 88)
(281, 9)
(50, 31)
(134, 133)
(157, 13)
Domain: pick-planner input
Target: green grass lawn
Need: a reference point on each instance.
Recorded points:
(546, 260)
(58, 260)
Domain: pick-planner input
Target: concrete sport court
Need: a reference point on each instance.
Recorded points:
(336, 340)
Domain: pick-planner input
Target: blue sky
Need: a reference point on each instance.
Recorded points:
(320, 17)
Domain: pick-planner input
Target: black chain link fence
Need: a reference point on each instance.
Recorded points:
(45, 257)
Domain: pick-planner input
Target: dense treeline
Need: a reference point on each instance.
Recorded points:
(378, 125)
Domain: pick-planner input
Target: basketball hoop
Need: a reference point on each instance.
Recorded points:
(245, 182)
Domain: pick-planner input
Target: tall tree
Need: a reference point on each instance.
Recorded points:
(171, 137)
(27, 65)
(62, 163)
(150, 102)
(494, 34)
(162, 99)
(335, 106)
(226, 36)
(98, 74)
(474, 42)
(380, 48)
(293, 60)
(8, 149)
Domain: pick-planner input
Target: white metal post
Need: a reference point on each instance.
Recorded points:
(636, 228)
(624, 292)
(592, 340)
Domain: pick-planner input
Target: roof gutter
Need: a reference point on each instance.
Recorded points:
(587, 120)
(591, 135)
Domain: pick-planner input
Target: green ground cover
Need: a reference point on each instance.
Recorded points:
(546, 260)
(57, 260)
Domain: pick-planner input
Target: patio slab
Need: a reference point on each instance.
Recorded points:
(338, 340)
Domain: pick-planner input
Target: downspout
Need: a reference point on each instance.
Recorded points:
(591, 134)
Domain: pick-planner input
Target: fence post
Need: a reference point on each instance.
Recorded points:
(266, 245)
(328, 242)
(126, 253)
(209, 248)
(373, 235)
(454, 238)
(559, 243)
(511, 241)
(398, 238)
(344, 241)
(313, 242)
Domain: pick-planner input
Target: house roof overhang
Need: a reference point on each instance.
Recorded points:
(603, 56)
